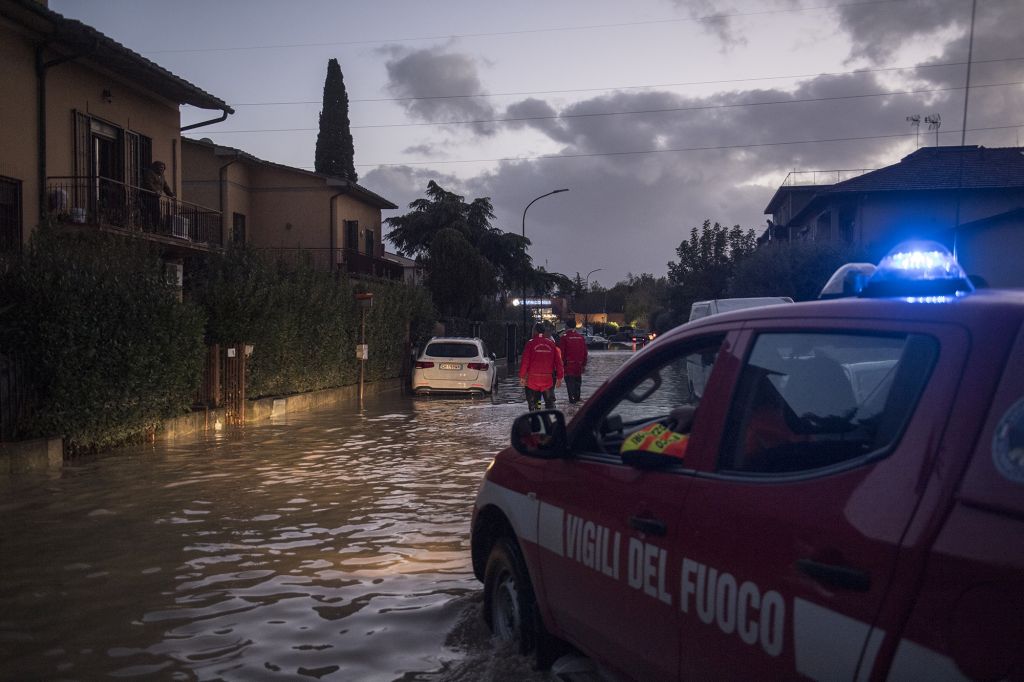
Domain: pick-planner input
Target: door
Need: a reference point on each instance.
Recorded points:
(792, 528)
(609, 531)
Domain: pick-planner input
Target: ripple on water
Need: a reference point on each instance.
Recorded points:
(328, 545)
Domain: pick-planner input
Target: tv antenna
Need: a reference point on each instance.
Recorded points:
(934, 123)
(915, 121)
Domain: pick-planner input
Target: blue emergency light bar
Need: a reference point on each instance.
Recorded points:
(917, 269)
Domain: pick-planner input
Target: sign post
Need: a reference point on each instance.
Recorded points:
(364, 300)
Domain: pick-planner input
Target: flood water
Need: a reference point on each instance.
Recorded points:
(330, 544)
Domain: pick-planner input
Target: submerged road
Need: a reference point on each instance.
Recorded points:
(331, 544)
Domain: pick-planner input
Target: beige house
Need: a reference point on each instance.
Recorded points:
(291, 213)
(81, 120)
(969, 198)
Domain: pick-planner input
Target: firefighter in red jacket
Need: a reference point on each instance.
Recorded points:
(574, 355)
(541, 370)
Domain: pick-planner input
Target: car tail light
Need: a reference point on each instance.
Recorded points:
(480, 366)
(421, 364)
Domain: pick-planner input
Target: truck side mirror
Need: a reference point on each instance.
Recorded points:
(540, 434)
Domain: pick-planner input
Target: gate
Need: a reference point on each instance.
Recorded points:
(16, 396)
(512, 345)
(233, 363)
(210, 393)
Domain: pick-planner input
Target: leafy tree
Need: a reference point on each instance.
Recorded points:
(457, 275)
(797, 269)
(644, 297)
(112, 351)
(504, 253)
(304, 322)
(335, 152)
(706, 264)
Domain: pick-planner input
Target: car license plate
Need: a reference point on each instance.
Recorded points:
(450, 365)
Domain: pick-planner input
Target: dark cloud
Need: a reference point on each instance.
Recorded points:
(877, 31)
(715, 19)
(434, 71)
(628, 212)
(425, 149)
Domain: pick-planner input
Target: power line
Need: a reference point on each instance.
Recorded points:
(703, 107)
(547, 157)
(753, 145)
(586, 27)
(641, 87)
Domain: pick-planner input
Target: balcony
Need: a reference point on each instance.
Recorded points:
(119, 207)
(359, 264)
(349, 261)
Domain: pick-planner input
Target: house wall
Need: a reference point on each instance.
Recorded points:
(18, 134)
(207, 177)
(983, 251)
(887, 219)
(349, 208)
(74, 85)
(289, 209)
(284, 208)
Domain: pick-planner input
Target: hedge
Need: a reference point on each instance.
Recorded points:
(303, 323)
(113, 353)
(111, 350)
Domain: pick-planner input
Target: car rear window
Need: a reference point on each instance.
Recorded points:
(447, 349)
(811, 400)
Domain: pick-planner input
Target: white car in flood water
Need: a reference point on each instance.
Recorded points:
(454, 365)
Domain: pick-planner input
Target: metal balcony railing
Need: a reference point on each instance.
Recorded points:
(109, 203)
(356, 263)
(349, 261)
(822, 177)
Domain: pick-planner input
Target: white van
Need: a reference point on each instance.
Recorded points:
(695, 364)
(727, 305)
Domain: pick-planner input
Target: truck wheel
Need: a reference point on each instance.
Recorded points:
(510, 607)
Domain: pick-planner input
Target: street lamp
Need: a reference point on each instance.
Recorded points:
(586, 290)
(522, 301)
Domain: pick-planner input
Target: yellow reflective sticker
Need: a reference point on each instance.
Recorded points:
(656, 438)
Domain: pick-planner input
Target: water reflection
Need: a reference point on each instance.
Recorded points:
(327, 545)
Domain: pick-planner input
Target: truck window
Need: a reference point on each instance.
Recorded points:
(806, 401)
(657, 392)
(699, 310)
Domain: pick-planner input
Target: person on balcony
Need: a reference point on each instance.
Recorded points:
(156, 185)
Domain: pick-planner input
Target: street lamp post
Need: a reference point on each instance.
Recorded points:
(522, 301)
(586, 290)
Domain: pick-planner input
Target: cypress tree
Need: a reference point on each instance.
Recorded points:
(335, 152)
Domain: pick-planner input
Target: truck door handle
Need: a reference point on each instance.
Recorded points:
(842, 577)
(648, 525)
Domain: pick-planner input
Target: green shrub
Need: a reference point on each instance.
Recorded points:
(111, 350)
(304, 323)
(798, 269)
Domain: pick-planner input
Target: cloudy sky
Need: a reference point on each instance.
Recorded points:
(656, 114)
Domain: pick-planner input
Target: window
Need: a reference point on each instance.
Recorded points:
(10, 215)
(824, 227)
(805, 401)
(238, 228)
(451, 350)
(352, 234)
(846, 225)
(662, 393)
(368, 246)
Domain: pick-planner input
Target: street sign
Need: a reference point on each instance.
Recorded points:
(362, 351)
(364, 300)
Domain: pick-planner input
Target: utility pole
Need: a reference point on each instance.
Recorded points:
(586, 291)
(522, 301)
(364, 301)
